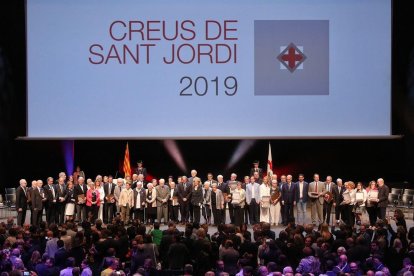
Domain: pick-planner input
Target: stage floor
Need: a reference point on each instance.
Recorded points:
(5, 213)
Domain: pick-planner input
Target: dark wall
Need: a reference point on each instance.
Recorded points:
(349, 159)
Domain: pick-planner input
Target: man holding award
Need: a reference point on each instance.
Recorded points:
(316, 192)
(80, 196)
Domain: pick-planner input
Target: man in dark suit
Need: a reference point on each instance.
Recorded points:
(173, 203)
(327, 204)
(38, 197)
(50, 203)
(141, 170)
(60, 202)
(21, 202)
(184, 198)
(139, 202)
(382, 200)
(256, 169)
(302, 198)
(338, 195)
(289, 199)
(80, 189)
(109, 202)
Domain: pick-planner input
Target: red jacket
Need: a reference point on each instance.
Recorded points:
(89, 198)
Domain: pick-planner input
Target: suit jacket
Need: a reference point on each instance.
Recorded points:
(117, 193)
(141, 198)
(174, 194)
(142, 171)
(49, 193)
(219, 199)
(78, 191)
(196, 196)
(162, 193)
(320, 189)
(61, 191)
(305, 190)
(21, 198)
(184, 191)
(338, 194)
(223, 187)
(106, 190)
(289, 193)
(332, 189)
(383, 196)
(249, 194)
(37, 202)
(259, 170)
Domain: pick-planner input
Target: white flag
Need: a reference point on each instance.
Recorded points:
(269, 162)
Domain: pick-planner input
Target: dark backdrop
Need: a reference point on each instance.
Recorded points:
(353, 159)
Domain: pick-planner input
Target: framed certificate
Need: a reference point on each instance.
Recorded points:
(266, 201)
(235, 198)
(373, 195)
(347, 197)
(359, 197)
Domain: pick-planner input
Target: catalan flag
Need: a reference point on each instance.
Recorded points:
(269, 162)
(127, 164)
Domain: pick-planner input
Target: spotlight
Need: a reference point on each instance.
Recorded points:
(175, 153)
(240, 151)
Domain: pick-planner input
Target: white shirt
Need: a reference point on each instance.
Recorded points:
(328, 187)
(138, 201)
(301, 189)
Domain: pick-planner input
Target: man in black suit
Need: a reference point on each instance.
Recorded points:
(382, 200)
(141, 170)
(289, 199)
(80, 189)
(50, 203)
(139, 202)
(327, 205)
(60, 202)
(173, 203)
(184, 198)
(21, 202)
(338, 197)
(38, 197)
(109, 202)
(256, 169)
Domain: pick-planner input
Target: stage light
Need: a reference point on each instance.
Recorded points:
(175, 153)
(68, 148)
(240, 151)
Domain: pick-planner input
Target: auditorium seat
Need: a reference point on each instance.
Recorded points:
(409, 191)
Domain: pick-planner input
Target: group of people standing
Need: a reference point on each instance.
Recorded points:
(252, 200)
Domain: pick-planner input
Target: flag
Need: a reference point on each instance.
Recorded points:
(127, 164)
(269, 162)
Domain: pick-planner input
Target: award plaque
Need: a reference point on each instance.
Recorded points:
(347, 198)
(373, 195)
(235, 198)
(359, 197)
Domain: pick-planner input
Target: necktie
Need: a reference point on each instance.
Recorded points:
(110, 188)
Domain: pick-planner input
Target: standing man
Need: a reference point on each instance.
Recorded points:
(289, 199)
(382, 200)
(173, 203)
(210, 179)
(315, 193)
(50, 204)
(38, 197)
(253, 200)
(139, 202)
(282, 207)
(338, 194)
(109, 202)
(191, 181)
(61, 202)
(301, 198)
(327, 204)
(217, 203)
(196, 198)
(80, 198)
(117, 192)
(21, 202)
(184, 197)
(231, 186)
(141, 170)
(256, 168)
(206, 202)
(163, 194)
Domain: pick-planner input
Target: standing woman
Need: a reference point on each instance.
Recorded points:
(265, 207)
(217, 203)
(151, 207)
(93, 202)
(99, 187)
(238, 205)
(361, 198)
(371, 206)
(196, 199)
(275, 196)
(70, 201)
(349, 202)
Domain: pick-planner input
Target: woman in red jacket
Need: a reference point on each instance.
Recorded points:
(93, 202)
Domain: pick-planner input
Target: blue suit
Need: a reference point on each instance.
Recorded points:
(252, 201)
(288, 200)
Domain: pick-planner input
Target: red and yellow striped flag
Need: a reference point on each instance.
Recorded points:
(127, 164)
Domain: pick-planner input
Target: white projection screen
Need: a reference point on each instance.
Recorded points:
(208, 69)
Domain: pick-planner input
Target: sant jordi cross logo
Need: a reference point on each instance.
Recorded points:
(291, 57)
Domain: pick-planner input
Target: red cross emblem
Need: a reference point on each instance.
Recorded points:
(291, 57)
